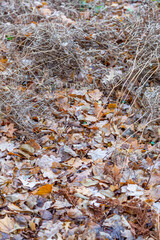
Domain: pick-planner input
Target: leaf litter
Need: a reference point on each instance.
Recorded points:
(92, 172)
(106, 184)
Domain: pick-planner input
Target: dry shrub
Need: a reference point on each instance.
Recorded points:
(119, 53)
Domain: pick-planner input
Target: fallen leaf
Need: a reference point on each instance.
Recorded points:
(3, 60)
(77, 93)
(13, 207)
(90, 118)
(33, 144)
(8, 130)
(108, 193)
(87, 182)
(23, 154)
(74, 213)
(6, 224)
(99, 153)
(32, 225)
(95, 94)
(61, 204)
(27, 148)
(68, 150)
(98, 110)
(112, 106)
(44, 190)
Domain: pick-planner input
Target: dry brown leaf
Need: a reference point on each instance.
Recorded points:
(61, 204)
(95, 94)
(90, 118)
(8, 130)
(13, 207)
(6, 224)
(98, 110)
(90, 78)
(32, 225)
(87, 182)
(27, 148)
(74, 213)
(33, 144)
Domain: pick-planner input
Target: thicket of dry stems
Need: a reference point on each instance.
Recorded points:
(120, 54)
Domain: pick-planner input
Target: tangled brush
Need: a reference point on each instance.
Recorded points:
(64, 48)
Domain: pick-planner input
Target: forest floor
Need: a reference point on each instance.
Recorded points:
(79, 120)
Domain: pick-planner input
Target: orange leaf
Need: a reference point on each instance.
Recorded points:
(112, 105)
(14, 154)
(44, 3)
(90, 78)
(93, 126)
(28, 34)
(98, 110)
(44, 190)
(116, 170)
(34, 144)
(34, 22)
(89, 37)
(3, 60)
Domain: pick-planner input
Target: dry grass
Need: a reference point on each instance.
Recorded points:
(119, 53)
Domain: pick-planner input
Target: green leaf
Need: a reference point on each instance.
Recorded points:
(9, 37)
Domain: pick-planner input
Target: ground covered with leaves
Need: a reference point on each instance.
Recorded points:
(79, 120)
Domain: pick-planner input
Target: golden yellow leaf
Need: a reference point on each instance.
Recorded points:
(4, 60)
(44, 190)
(44, 3)
(112, 105)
